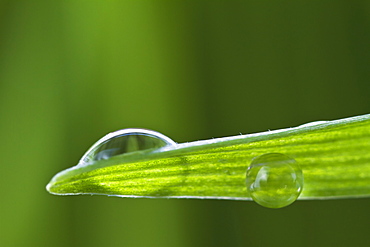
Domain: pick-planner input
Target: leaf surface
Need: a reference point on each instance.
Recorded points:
(334, 157)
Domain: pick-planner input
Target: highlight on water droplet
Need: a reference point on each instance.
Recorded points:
(125, 141)
(274, 180)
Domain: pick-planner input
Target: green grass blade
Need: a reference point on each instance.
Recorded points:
(333, 155)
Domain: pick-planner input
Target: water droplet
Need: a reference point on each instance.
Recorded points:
(125, 141)
(274, 180)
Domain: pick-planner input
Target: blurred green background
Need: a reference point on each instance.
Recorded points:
(72, 71)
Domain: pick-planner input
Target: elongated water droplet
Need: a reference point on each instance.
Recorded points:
(125, 141)
(274, 180)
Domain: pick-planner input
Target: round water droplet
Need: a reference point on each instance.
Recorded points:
(125, 141)
(274, 180)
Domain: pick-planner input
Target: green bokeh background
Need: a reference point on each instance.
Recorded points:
(72, 71)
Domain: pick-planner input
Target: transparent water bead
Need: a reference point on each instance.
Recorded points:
(274, 180)
(125, 141)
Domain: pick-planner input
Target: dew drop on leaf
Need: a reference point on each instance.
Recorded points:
(274, 180)
(125, 141)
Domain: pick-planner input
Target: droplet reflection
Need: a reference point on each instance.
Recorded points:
(125, 141)
(274, 180)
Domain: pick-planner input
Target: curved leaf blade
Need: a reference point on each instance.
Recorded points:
(333, 155)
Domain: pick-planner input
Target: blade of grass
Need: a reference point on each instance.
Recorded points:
(334, 157)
